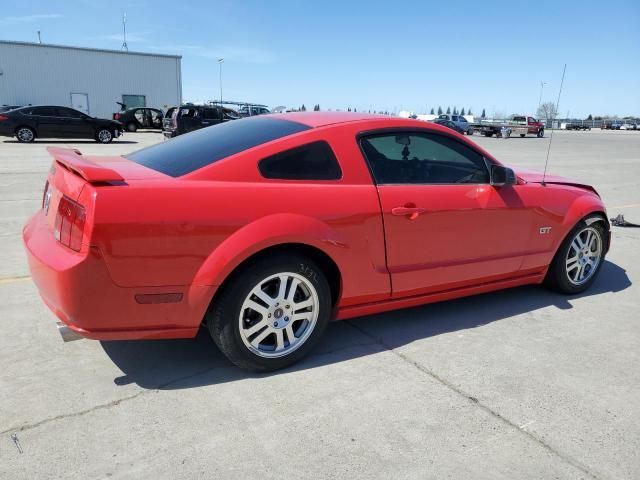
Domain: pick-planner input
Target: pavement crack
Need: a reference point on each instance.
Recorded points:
(405, 358)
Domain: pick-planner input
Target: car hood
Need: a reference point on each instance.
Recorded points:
(532, 176)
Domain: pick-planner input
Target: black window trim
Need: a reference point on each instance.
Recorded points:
(303, 145)
(388, 130)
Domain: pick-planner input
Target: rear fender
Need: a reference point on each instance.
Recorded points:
(264, 233)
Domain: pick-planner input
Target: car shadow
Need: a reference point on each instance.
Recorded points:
(189, 363)
(71, 141)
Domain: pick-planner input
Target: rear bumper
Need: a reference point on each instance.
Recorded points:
(78, 289)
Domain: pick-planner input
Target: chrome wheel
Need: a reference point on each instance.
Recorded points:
(25, 135)
(584, 255)
(105, 136)
(278, 315)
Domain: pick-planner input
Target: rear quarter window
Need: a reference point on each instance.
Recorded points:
(314, 161)
(187, 153)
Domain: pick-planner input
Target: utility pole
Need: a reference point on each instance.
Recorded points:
(220, 61)
(125, 47)
(542, 84)
(39, 39)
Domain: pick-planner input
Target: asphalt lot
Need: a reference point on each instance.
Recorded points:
(516, 384)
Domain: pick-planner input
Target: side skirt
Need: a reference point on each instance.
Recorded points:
(398, 303)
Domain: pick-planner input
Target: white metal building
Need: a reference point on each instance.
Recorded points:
(87, 79)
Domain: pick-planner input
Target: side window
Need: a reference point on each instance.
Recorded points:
(45, 111)
(139, 115)
(422, 158)
(211, 113)
(314, 161)
(68, 113)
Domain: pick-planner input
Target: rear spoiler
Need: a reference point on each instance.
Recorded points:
(91, 172)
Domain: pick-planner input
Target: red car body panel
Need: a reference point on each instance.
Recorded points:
(156, 248)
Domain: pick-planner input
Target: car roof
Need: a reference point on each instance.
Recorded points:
(321, 119)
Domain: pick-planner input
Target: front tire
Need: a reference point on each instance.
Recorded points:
(579, 259)
(272, 313)
(541, 133)
(25, 135)
(104, 135)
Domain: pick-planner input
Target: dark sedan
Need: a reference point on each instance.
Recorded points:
(29, 123)
(449, 124)
(138, 118)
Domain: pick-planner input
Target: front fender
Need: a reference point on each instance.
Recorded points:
(266, 232)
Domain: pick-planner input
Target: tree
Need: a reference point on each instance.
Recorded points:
(469, 112)
(448, 110)
(462, 112)
(303, 108)
(590, 117)
(349, 109)
(355, 109)
(439, 110)
(547, 111)
(432, 112)
(455, 110)
(484, 115)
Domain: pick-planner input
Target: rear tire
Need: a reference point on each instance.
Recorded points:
(132, 127)
(25, 135)
(522, 135)
(253, 318)
(104, 135)
(579, 258)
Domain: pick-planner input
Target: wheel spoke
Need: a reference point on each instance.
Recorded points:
(279, 340)
(303, 304)
(290, 335)
(283, 287)
(576, 244)
(261, 336)
(262, 295)
(301, 316)
(587, 241)
(257, 327)
(256, 307)
(292, 290)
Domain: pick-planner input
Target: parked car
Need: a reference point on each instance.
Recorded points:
(460, 122)
(6, 108)
(449, 124)
(250, 110)
(139, 118)
(265, 229)
(51, 121)
(577, 126)
(188, 118)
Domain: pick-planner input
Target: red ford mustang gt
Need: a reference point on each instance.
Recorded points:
(265, 228)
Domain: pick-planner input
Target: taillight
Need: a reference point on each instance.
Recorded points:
(69, 224)
(116, 116)
(3, 118)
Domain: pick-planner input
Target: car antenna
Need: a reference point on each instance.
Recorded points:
(553, 114)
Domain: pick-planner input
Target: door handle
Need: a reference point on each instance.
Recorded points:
(413, 212)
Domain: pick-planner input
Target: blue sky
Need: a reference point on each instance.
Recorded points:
(383, 55)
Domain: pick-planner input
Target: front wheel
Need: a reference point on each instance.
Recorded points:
(104, 135)
(541, 133)
(271, 313)
(579, 258)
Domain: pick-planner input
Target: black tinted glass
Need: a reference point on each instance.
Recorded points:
(45, 111)
(186, 153)
(314, 161)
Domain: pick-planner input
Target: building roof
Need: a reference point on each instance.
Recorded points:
(70, 47)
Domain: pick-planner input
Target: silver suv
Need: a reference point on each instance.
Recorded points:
(460, 121)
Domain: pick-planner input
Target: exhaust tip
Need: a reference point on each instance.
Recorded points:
(66, 333)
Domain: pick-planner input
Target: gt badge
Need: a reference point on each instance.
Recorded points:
(544, 230)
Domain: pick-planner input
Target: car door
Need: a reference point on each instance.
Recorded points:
(73, 124)
(46, 121)
(445, 226)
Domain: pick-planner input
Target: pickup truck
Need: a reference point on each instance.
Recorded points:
(518, 124)
(576, 126)
(460, 122)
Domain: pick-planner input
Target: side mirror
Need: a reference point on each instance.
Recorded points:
(501, 176)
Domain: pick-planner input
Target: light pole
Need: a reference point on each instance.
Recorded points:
(220, 61)
(542, 84)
